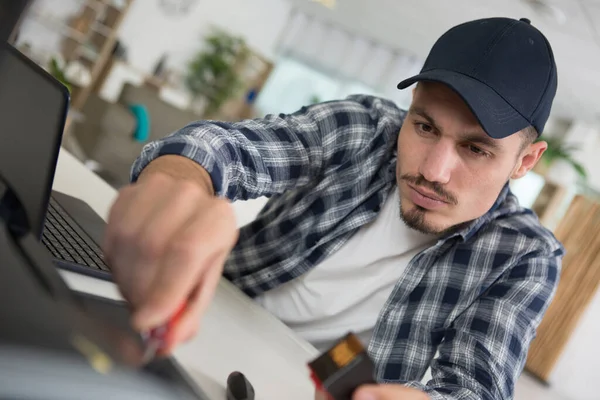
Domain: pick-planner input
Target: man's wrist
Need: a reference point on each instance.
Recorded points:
(179, 167)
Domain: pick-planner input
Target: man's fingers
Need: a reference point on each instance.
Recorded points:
(167, 240)
(189, 254)
(320, 395)
(172, 284)
(166, 219)
(209, 283)
(131, 209)
(192, 251)
(117, 211)
(198, 302)
(186, 326)
(142, 223)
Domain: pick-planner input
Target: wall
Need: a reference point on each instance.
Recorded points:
(43, 33)
(577, 372)
(148, 33)
(587, 137)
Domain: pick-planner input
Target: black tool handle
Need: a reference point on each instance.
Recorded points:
(238, 387)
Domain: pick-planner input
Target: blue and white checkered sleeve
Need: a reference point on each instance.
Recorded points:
(261, 157)
(484, 351)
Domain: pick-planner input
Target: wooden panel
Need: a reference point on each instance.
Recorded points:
(579, 282)
(548, 201)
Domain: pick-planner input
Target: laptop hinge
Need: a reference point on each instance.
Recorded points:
(12, 210)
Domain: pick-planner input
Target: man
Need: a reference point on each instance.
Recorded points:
(396, 225)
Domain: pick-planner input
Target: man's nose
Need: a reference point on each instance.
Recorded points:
(439, 163)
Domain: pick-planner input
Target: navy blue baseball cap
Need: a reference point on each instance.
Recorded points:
(503, 68)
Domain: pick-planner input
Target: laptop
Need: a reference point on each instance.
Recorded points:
(69, 344)
(33, 109)
(86, 339)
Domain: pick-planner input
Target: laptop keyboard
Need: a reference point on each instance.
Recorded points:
(65, 243)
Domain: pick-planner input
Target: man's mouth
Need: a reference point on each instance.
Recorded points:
(425, 198)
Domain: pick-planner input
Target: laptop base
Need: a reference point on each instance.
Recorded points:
(73, 233)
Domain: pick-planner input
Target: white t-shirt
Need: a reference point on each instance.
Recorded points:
(347, 290)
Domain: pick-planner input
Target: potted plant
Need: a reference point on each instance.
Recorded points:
(57, 70)
(558, 150)
(315, 99)
(212, 74)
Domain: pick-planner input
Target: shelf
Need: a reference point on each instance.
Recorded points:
(118, 5)
(56, 22)
(87, 35)
(101, 29)
(101, 4)
(52, 21)
(112, 15)
(87, 53)
(97, 40)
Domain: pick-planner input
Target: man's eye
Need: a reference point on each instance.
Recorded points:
(424, 127)
(477, 151)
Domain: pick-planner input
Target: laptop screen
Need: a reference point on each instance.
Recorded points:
(11, 13)
(33, 107)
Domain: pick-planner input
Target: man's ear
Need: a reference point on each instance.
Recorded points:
(529, 157)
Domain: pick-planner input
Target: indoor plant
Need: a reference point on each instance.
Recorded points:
(57, 70)
(315, 99)
(212, 74)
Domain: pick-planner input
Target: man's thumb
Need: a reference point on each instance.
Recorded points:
(388, 392)
(367, 392)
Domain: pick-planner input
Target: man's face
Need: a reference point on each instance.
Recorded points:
(449, 170)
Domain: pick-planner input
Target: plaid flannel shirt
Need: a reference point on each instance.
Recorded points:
(476, 297)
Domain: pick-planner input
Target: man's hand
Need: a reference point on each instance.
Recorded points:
(383, 392)
(167, 239)
(388, 392)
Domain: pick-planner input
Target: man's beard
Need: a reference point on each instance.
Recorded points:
(416, 219)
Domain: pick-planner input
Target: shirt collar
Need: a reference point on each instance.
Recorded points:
(471, 228)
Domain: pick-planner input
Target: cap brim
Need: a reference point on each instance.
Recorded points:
(497, 118)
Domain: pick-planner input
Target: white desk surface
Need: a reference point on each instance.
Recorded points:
(236, 333)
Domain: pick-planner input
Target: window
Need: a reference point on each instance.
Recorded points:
(320, 62)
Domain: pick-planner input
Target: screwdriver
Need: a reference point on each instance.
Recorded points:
(239, 387)
(156, 338)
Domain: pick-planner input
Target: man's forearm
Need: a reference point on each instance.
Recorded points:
(179, 167)
(267, 156)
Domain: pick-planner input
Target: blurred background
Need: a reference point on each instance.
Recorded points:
(141, 69)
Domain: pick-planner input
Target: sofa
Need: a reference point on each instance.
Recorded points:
(106, 133)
